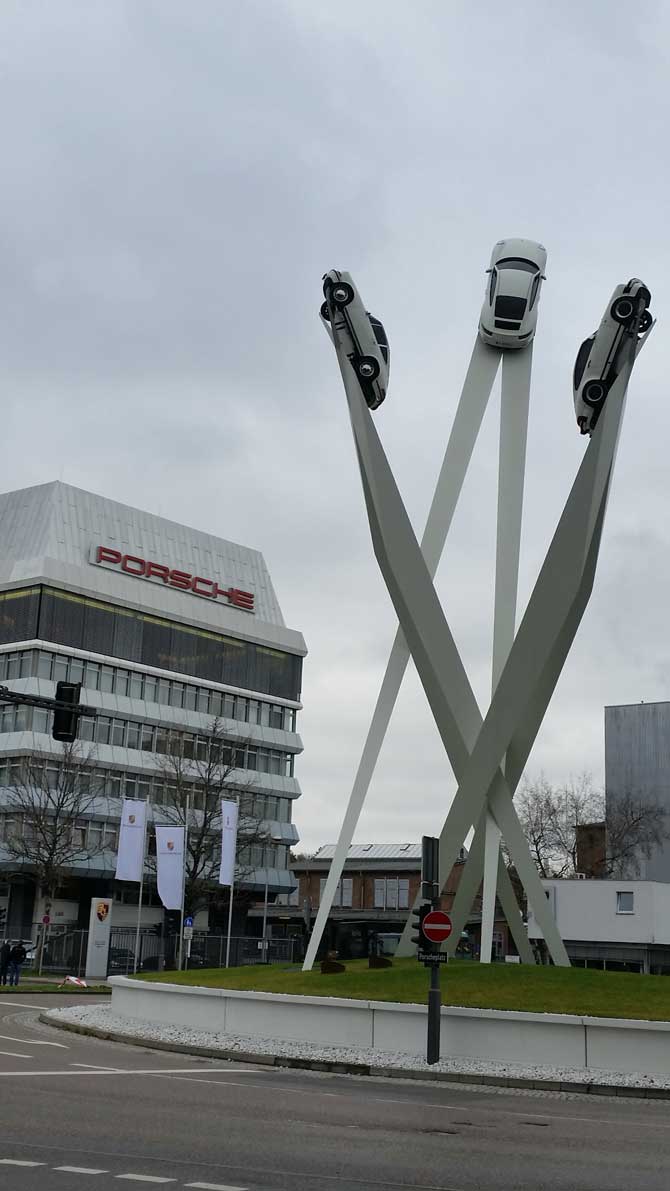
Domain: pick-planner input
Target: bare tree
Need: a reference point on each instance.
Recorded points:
(47, 809)
(47, 798)
(195, 781)
(552, 815)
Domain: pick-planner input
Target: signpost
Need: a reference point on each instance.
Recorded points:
(434, 927)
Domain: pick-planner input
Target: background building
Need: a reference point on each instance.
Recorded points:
(613, 924)
(166, 627)
(637, 762)
(374, 897)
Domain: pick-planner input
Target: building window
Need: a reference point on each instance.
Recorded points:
(625, 902)
(391, 893)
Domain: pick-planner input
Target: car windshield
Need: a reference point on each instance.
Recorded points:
(517, 262)
(507, 307)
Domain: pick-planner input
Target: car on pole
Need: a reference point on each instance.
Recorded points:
(516, 273)
(600, 356)
(365, 340)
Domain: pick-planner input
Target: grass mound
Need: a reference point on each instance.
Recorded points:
(497, 986)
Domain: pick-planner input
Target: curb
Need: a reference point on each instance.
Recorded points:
(339, 1068)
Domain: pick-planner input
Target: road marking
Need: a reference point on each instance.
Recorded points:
(19, 1162)
(215, 1187)
(13, 1055)
(32, 1041)
(23, 1005)
(93, 1067)
(145, 1178)
(80, 1170)
(106, 1071)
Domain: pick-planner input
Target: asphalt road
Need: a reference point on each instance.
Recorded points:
(81, 1113)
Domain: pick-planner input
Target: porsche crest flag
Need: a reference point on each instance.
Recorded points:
(130, 857)
(170, 865)
(229, 812)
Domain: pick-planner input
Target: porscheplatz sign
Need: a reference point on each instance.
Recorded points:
(487, 752)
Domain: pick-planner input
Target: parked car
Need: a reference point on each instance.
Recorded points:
(366, 342)
(516, 273)
(121, 959)
(600, 356)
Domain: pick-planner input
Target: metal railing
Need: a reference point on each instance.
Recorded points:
(65, 951)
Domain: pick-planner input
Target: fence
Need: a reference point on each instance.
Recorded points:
(207, 951)
(65, 951)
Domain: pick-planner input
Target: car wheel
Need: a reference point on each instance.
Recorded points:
(645, 322)
(623, 309)
(325, 312)
(367, 368)
(594, 392)
(341, 293)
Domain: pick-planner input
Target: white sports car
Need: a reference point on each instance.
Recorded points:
(599, 358)
(366, 344)
(509, 313)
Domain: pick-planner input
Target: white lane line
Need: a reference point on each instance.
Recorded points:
(215, 1187)
(13, 1055)
(105, 1071)
(19, 1162)
(23, 1005)
(145, 1178)
(32, 1041)
(93, 1067)
(80, 1170)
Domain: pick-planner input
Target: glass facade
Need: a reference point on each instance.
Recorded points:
(154, 787)
(151, 738)
(69, 619)
(116, 680)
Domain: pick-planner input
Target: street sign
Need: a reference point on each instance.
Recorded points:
(188, 921)
(188, 932)
(432, 957)
(45, 919)
(436, 926)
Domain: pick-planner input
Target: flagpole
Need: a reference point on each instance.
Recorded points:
(232, 882)
(183, 882)
(139, 904)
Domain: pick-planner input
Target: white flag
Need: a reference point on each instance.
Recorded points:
(170, 865)
(228, 842)
(130, 857)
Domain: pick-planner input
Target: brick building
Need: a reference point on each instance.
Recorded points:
(374, 897)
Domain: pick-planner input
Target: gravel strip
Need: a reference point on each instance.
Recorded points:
(100, 1018)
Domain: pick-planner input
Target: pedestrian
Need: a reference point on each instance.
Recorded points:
(17, 956)
(4, 960)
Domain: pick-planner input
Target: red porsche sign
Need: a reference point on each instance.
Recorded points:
(158, 572)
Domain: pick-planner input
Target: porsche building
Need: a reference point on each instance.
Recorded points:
(167, 628)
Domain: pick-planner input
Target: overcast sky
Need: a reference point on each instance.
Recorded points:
(176, 179)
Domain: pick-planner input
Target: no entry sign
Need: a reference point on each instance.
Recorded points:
(436, 926)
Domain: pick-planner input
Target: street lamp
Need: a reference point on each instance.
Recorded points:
(274, 839)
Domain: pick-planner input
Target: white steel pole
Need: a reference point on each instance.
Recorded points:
(265, 912)
(183, 882)
(477, 386)
(230, 922)
(514, 402)
(139, 904)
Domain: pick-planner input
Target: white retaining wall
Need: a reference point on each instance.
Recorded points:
(545, 1039)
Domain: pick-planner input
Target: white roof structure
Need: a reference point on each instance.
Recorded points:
(49, 533)
(373, 852)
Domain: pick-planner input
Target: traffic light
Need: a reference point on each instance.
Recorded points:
(66, 719)
(418, 938)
